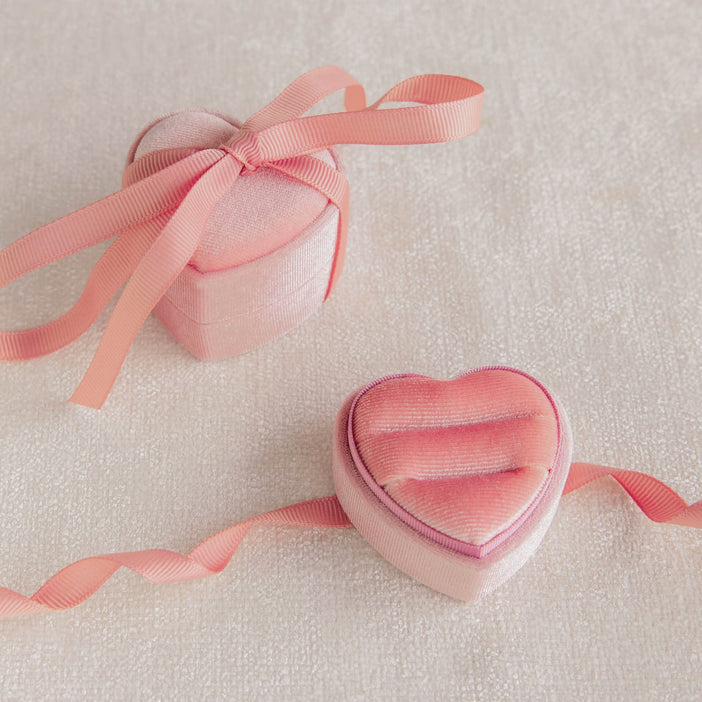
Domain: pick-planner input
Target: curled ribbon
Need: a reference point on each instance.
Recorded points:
(78, 581)
(159, 219)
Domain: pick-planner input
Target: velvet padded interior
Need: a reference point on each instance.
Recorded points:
(466, 456)
(262, 211)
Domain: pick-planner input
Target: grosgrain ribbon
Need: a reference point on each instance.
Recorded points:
(160, 220)
(655, 499)
(78, 581)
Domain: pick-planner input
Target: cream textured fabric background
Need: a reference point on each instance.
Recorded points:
(565, 239)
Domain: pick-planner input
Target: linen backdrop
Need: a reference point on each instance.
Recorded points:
(565, 239)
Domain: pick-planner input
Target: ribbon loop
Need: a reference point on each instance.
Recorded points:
(161, 217)
(449, 110)
(305, 92)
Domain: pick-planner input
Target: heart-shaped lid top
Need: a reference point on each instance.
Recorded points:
(260, 213)
(462, 461)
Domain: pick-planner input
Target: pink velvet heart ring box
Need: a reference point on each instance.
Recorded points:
(265, 258)
(232, 233)
(455, 482)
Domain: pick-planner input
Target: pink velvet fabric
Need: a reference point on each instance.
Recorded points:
(455, 482)
(264, 262)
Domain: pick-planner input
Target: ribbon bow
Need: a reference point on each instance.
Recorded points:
(159, 216)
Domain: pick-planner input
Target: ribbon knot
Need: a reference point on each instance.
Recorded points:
(245, 147)
(160, 215)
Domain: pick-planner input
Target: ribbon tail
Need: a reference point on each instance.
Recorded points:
(163, 262)
(103, 219)
(135, 213)
(332, 184)
(341, 237)
(655, 499)
(106, 278)
(78, 581)
(215, 553)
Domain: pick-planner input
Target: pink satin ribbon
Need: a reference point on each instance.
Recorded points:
(159, 220)
(81, 579)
